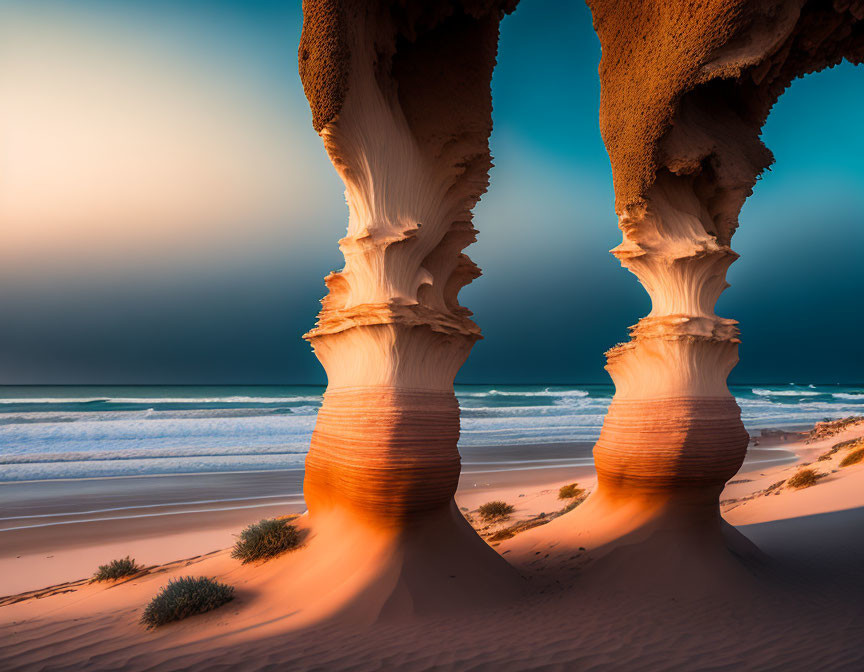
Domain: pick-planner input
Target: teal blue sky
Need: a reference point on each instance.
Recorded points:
(158, 288)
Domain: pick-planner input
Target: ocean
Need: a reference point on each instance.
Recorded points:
(64, 432)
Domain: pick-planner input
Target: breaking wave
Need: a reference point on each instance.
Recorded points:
(113, 432)
(785, 393)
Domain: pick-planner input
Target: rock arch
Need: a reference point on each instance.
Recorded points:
(685, 90)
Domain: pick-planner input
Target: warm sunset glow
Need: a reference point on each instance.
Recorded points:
(308, 313)
(119, 140)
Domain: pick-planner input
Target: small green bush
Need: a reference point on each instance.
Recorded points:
(804, 479)
(854, 457)
(266, 539)
(497, 510)
(185, 597)
(117, 569)
(570, 491)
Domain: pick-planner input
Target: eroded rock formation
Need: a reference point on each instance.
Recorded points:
(400, 95)
(686, 88)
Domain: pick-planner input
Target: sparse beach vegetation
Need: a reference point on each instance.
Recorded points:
(804, 479)
(828, 428)
(185, 597)
(495, 511)
(266, 539)
(843, 445)
(117, 569)
(854, 457)
(570, 491)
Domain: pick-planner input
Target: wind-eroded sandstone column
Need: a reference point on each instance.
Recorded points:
(400, 95)
(686, 88)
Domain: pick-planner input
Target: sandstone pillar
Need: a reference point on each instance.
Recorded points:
(400, 95)
(685, 90)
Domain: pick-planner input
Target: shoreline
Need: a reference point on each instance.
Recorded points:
(55, 528)
(159, 518)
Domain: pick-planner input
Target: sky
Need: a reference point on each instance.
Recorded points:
(167, 212)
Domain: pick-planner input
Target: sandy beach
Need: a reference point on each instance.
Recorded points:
(53, 526)
(803, 534)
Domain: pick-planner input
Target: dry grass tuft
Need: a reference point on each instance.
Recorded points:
(117, 569)
(497, 510)
(854, 457)
(501, 535)
(843, 445)
(570, 491)
(804, 479)
(823, 430)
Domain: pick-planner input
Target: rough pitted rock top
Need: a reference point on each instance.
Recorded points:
(742, 53)
(324, 52)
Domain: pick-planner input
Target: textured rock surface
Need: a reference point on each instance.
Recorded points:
(686, 88)
(385, 452)
(400, 95)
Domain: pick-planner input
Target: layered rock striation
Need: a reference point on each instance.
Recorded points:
(685, 90)
(400, 95)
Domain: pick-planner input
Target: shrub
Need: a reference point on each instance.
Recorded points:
(804, 479)
(501, 535)
(570, 491)
(496, 510)
(185, 597)
(854, 457)
(266, 539)
(117, 569)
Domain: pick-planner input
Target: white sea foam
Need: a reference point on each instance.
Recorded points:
(146, 467)
(527, 393)
(162, 400)
(233, 443)
(84, 442)
(597, 406)
(785, 393)
(36, 417)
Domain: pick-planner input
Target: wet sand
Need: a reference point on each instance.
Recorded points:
(55, 524)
